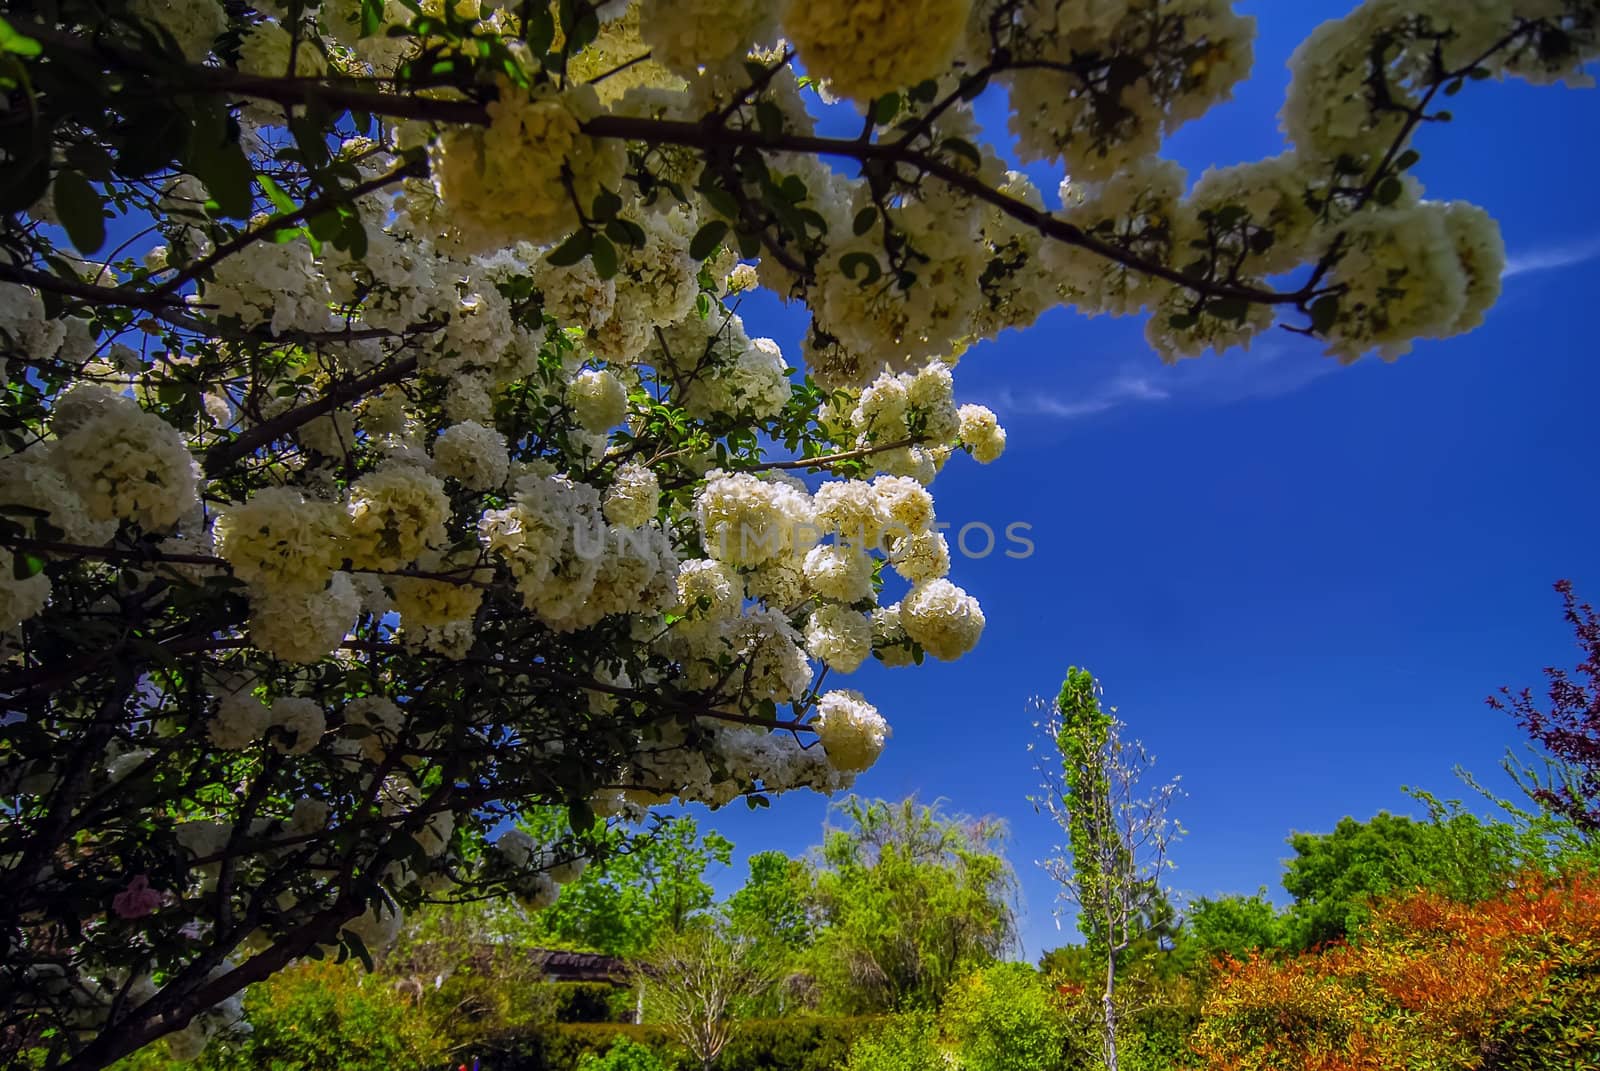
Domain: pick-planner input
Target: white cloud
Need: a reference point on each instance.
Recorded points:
(1552, 257)
(1121, 390)
(1270, 369)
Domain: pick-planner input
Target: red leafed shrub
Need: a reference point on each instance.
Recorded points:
(1505, 984)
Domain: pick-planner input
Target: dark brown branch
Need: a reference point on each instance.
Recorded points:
(219, 457)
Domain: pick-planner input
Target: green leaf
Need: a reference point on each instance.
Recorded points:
(227, 177)
(606, 205)
(1234, 309)
(15, 43)
(280, 200)
(1407, 160)
(707, 238)
(885, 108)
(358, 948)
(964, 148)
(25, 564)
(864, 220)
(749, 244)
(722, 201)
(769, 119)
(574, 249)
(81, 212)
(1324, 313)
(604, 255)
(850, 263)
(371, 17)
(1389, 190)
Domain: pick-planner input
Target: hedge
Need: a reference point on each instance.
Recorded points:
(810, 1044)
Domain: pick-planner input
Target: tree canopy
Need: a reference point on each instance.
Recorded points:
(385, 452)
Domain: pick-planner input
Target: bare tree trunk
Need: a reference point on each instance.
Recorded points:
(1108, 1007)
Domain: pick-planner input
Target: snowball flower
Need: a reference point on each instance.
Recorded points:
(745, 520)
(634, 496)
(851, 730)
(981, 433)
(866, 48)
(839, 571)
(127, 464)
(516, 846)
(298, 724)
(839, 636)
(599, 400)
(379, 722)
(684, 35)
(304, 627)
(473, 454)
(941, 617)
(193, 24)
(708, 589)
(241, 720)
(396, 513)
(921, 556)
(281, 541)
(508, 182)
(21, 599)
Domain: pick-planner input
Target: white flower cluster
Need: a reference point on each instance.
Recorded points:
(507, 182)
(474, 454)
(124, 463)
(851, 729)
(1428, 271)
(1108, 79)
(685, 35)
(192, 24)
(864, 50)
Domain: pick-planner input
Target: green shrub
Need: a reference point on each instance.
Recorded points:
(1559, 1028)
(760, 1045)
(793, 1044)
(906, 1042)
(590, 1002)
(624, 1055)
(317, 1016)
(1006, 1018)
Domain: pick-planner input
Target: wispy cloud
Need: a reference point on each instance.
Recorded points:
(1266, 371)
(1552, 257)
(1120, 391)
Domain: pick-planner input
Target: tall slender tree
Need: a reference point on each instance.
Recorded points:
(1117, 840)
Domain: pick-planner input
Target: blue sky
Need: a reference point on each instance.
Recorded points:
(1297, 581)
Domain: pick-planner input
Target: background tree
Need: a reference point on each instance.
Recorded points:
(1334, 877)
(905, 899)
(1110, 870)
(771, 910)
(698, 982)
(1567, 732)
(646, 886)
(384, 454)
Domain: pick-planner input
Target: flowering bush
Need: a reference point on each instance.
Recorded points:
(1429, 982)
(385, 451)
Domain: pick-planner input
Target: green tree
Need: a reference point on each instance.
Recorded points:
(699, 981)
(772, 911)
(1334, 877)
(1118, 838)
(648, 886)
(1231, 926)
(906, 899)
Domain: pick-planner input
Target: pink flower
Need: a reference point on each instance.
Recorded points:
(137, 900)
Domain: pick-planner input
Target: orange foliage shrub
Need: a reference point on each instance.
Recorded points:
(1428, 984)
